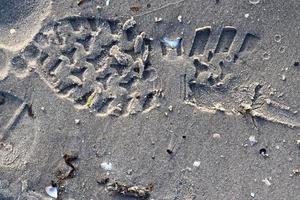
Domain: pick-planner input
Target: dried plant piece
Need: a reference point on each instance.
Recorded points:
(130, 190)
(68, 170)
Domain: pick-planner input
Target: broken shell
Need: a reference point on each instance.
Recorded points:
(52, 191)
(267, 182)
(252, 140)
(106, 166)
(173, 43)
(196, 164)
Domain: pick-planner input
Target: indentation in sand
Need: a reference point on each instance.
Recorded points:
(20, 20)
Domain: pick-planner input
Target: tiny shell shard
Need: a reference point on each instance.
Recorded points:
(173, 43)
(52, 191)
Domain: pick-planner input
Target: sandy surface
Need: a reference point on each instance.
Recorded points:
(157, 99)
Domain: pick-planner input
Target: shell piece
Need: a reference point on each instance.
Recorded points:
(106, 166)
(173, 43)
(52, 191)
(252, 140)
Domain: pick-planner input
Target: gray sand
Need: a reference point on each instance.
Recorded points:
(158, 99)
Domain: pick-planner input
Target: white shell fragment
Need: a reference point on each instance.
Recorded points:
(52, 191)
(266, 181)
(106, 166)
(12, 31)
(197, 164)
(252, 140)
(179, 18)
(173, 43)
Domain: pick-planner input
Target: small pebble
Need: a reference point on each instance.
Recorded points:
(246, 15)
(252, 194)
(77, 121)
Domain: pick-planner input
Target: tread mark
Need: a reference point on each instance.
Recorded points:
(249, 42)
(200, 40)
(226, 39)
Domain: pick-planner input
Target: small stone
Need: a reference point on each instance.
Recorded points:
(170, 108)
(77, 121)
(196, 164)
(43, 108)
(283, 77)
(252, 194)
(246, 15)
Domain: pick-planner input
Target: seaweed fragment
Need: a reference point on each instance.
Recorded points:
(130, 190)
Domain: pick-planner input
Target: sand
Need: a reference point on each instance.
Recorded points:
(161, 99)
